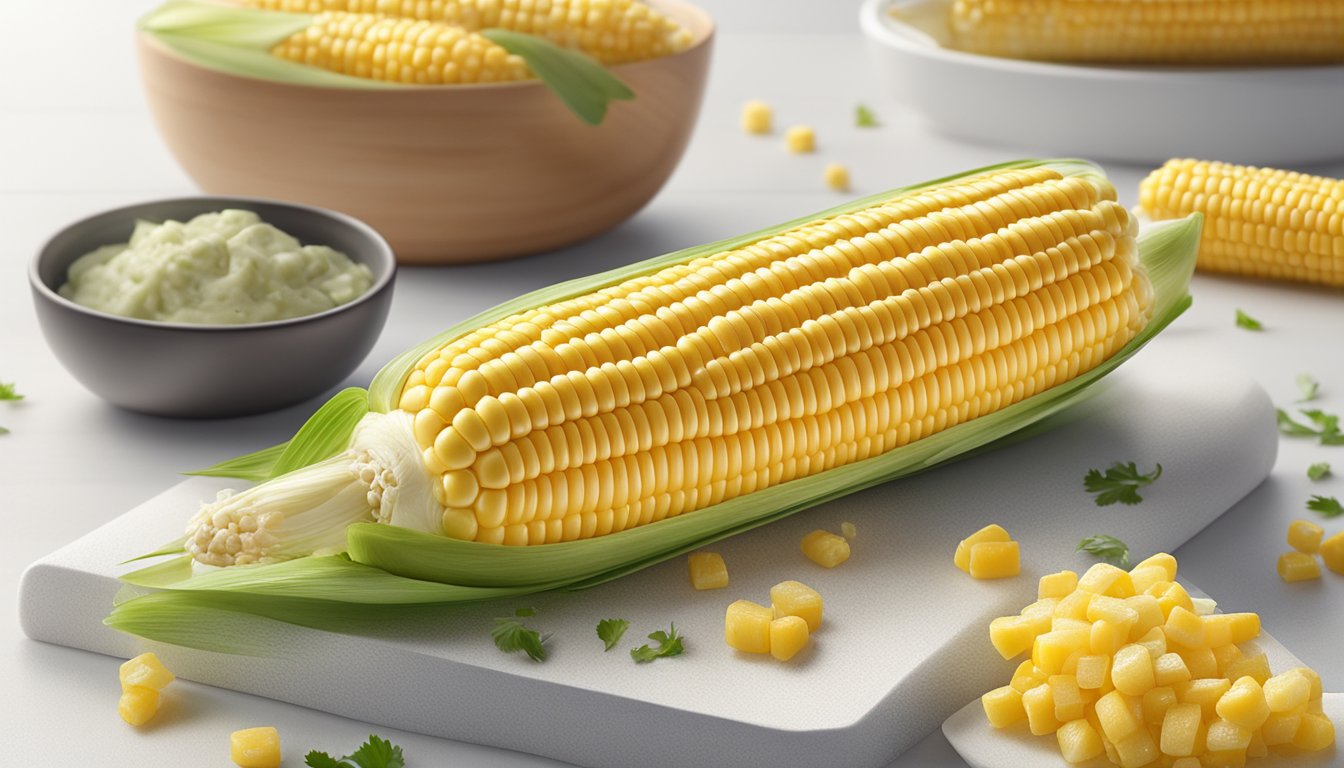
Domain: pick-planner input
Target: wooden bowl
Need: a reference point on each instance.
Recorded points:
(446, 173)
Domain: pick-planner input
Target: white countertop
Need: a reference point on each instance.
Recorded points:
(75, 138)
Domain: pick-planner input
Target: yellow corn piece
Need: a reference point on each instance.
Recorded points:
(825, 548)
(837, 177)
(788, 636)
(1003, 706)
(1298, 566)
(794, 598)
(1305, 536)
(138, 704)
(255, 747)
(707, 570)
(1332, 552)
(145, 671)
(746, 627)
(800, 139)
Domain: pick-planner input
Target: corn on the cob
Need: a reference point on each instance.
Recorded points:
(1259, 222)
(1153, 31)
(611, 31)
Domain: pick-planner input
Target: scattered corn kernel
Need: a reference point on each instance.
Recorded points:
(1305, 536)
(707, 570)
(1057, 585)
(756, 117)
(837, 177)
(1298, 566)
(995, 560)
(145, 671)
(800, 139)
(848, 531)
(991, 532)
(746, 627)
(794, 598)
(138, 704)
(788, 636)
(1332, 552)
(825, 548)
(1079, 741)
(256, 747)
(1003, 706)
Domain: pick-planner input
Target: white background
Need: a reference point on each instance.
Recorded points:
(75, 138)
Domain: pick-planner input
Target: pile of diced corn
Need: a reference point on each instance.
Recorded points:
(783, 629)
(989, 553)
(1305, 537)
(1127, 664)
(142, 680)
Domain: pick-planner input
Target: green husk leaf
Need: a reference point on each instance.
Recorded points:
(255, 467)
(163, 574)
(584, 85)
(326, 433)
(174, 547)
(229, 24)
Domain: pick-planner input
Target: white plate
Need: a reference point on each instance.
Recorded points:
(1261, 116)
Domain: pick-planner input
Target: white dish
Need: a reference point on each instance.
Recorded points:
(1261, 116)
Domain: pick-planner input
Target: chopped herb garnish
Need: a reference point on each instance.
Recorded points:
(1323, 425)
(1318, 470)
(1120, 483)
(511, 635)
(1307, 386)
(864, 117)
(610, 631)
(669, 644)
(7, 392)
(1326, 506)
(1249, 323)
(374, 753)
(1106, 547)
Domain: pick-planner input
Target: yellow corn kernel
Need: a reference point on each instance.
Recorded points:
(1225, 628)
(1003, 706)
(145, 671)
(1057, 585)
(707, 570)
(1243, 705)
(788, 636)
(1059, 622)
(1172, 596)
(1253, 665)
(1106, 638)
(757, 117)
(1180, 728)
(1040, 709)
(837, 177)
(255, 747)
(991, 532)
(1203, 606)
(1315, 733)
(1332, 552)
(746, 627)
(1281, 727)
(1223, 656)
(1148, 612)
(1026, 677)
(1011, 635)
(848, 531)
(800, 139)
(138, 704)
(1067, 697)
(1156, 702)
(1312, 678)
(1224, 736)
(825, 548)
(1169, 668)
(1137, 749)
(1074, 606)
(1257, 748)
(1093, 671)
(995, 560)
(1078, 741)
(1203, 691)
(1185, 628)
(794, 598)
(1052, 649)
(1287, 691)
(1132, 670)
(1161, 560)
(1041, 615)
(1106, 579)
(1146, 576)
(1119, 715)
(1155, 641)
(1298, 566)
(1201, 662)
(1112, 609)
(1305, 536)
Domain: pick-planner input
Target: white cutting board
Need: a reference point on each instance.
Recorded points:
(903, 647)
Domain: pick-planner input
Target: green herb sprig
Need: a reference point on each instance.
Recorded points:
(864, 117)
(1119, 484)
(1106, 547)
(669, 644)
(610, 631)
(1325, 506)
(1307, 386)
(1324, 426)
(374, 753)
(1319, 471)
(1247, 322)
(512, 635)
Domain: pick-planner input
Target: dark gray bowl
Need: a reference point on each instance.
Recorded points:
(208, 371)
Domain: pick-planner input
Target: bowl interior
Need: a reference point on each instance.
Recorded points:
(310, 225)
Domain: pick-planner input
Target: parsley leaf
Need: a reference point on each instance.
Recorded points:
(511, 635)
(1323, 425)
(669, 644)
(1249, 323)
(1120, 483)
(7, 392)
(1106, 547)
(609, 631)
(1318, 470)
(864, 117)
(1307, 386)
(374, 753)
(1327, 506)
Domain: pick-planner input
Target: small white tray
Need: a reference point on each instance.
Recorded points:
(1255, 115)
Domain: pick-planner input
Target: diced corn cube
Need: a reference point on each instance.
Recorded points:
(708, 571)
(1052, 649)
(1228, 758)
(1112, 609)
(1040, 708)
(1106, 579)
(1201, 662)
(1156, 702)
(756, 117)
(825, 548)
(1305, 536)
(1060, 622)
(1136, 750)
(1281, 727)
(1223, 657)
(1041, 614)
(1244, 705)
(991, 532)
(837, 177)
(1092, 671)
(746, 627)
(1173, 596)
(1146, 576)
(1067, 697)
(1332, 552)
(1132, 670)
(1203, 691)
(800, 139)
(1224, 736)
(1170, 668)
(1253, 665)
(1224, 628)
(1315, 733)
(1287, 691)
(1203, 606)
(1155, 641)
(1298, 566)
(848, 531)
(1257, 747)
(1180, 727)
(1011, 635)
(1073, 606)
(1116, 713)
(1003, 706)
(1078, 741)
(1107, 638)
(794, 598)
(1026, 677)
(138, 704)
(995, 560)
(1185, 628)
(1058, 585)
(1312, 678)
(788, 636)
(145, 671)
(1149, 613)
(1162, 560)
(256, 747)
